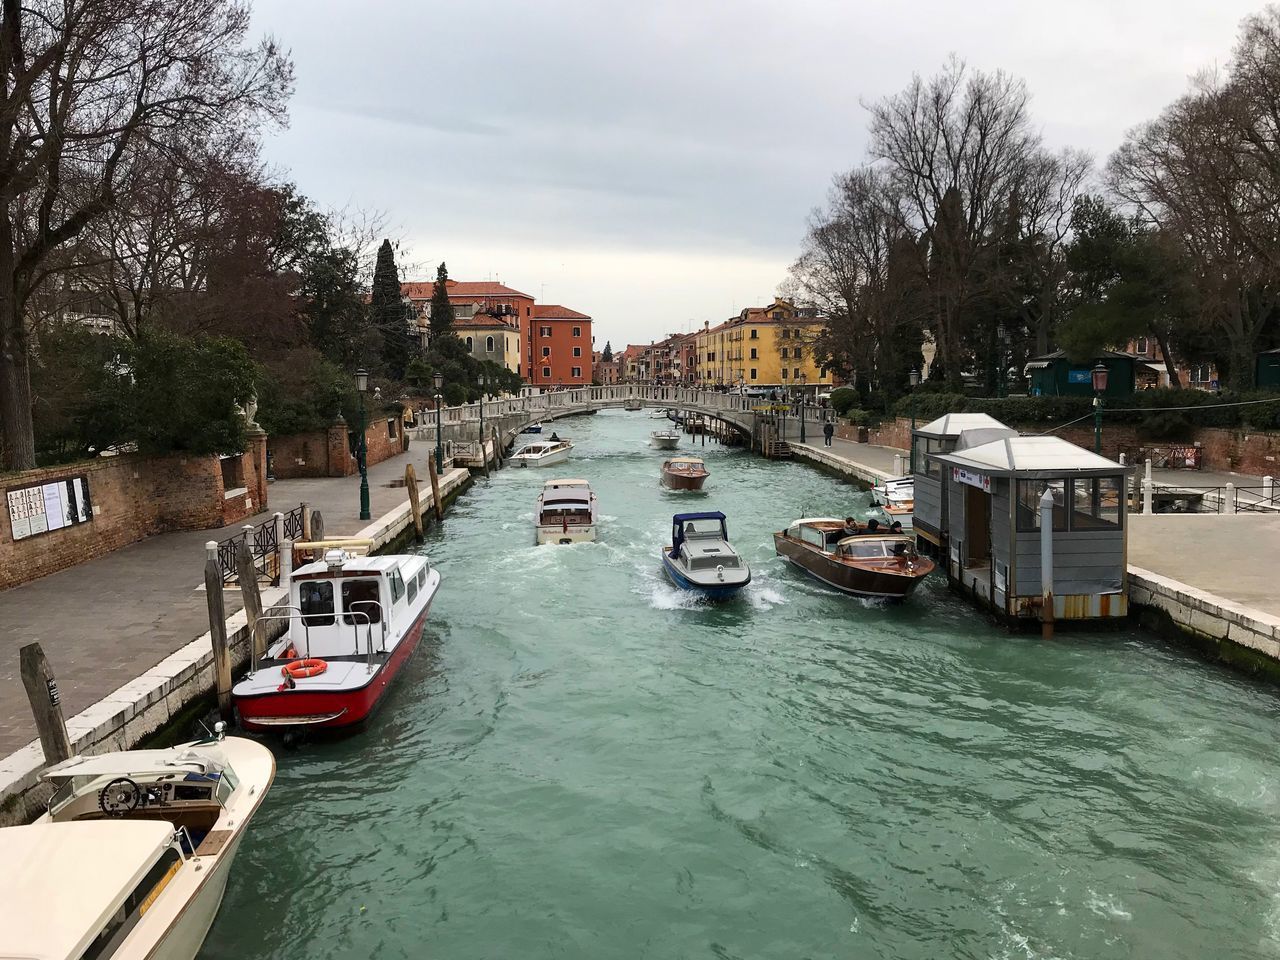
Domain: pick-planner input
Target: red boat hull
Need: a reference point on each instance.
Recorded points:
(292, 709)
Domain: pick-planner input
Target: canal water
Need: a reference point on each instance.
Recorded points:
(583, 763)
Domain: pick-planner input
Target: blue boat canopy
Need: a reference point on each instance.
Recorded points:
(680, 519)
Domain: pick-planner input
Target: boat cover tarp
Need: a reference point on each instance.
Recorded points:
(680, 519)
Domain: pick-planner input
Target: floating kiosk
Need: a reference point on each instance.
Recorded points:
(1033, 525)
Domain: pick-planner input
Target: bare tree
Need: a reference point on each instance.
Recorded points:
(88, 89)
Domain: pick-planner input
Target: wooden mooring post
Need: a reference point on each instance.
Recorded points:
(218, 630)
(46, 703)
(317, 534)
(415, 504)
(435, 489)
(251, 596)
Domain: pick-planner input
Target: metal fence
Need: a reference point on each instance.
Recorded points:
(1228, 499)
(263, 547)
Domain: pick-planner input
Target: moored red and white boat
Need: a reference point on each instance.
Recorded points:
(354, 623)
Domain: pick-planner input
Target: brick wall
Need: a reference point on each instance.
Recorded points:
(326, 453)
(132, 497)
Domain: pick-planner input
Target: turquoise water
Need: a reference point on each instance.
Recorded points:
(583, 763)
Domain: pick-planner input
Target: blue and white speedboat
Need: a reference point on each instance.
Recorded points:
(700, 557)
(532, 428)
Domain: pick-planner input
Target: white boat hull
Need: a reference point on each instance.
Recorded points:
(664, 443)
(555, 533)
(546, 460)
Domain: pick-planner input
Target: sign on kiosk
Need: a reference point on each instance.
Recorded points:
(979, 480)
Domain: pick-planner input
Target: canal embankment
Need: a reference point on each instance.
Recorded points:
(128, 636)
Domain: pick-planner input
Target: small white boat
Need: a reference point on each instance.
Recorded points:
(664, 439)
(132, 859)
(658, 415)
(700, 557)
(897, 499)
(543, 453)
(566, 512)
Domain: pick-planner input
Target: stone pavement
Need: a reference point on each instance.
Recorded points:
(107, 621)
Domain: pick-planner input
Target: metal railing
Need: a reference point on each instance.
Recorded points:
(1227, 499)
(264, 546)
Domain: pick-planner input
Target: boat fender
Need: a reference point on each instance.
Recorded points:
(300, 669)
(291, 653)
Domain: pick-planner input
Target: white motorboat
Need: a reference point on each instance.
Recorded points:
(664, 439)
(544, 453)
(897, 499)
(566, 512)
(132, 858)
(358, 621)
(658, 415)
(700, 557)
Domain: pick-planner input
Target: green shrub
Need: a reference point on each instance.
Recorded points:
(843, 399)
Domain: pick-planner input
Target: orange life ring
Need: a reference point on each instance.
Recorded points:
(300, 669)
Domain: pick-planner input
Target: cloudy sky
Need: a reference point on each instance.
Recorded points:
(652, 164)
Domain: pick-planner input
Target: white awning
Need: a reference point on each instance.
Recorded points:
(954, 424)
(1031, 455)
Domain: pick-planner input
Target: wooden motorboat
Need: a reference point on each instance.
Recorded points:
(566, 512)
(632, 404)
(883, 566)
(354, 622)
(132, 858)
(664, 439)
(543, 453)
(700, 557)
(684, 473)
(532, 428)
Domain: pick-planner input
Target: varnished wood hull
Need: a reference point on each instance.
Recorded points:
(683, 481)
(848, 578)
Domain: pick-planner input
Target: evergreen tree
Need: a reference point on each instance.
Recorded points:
(391, 315)
(607, 355)
(441, 309)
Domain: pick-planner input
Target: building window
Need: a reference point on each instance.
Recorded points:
(546, 373)
(575, 372)
(796, 353)
(577, 331)
(785, 333)
(1140, 348)
(468, 344)
(795, 373)
(488, 344)
(546, 351)
(528, 311)
(577, 351)
(784, 373)
(784, 353)
(1029, 492)
(777, 315)
(796, 334)
(753, 373)
(1095, 503)
(544, 331)
(755, 334)
(754, 355)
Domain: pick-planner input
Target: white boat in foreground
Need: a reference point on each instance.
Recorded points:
(664, 439)
(566, 512)
(544, 453)
(132, 859)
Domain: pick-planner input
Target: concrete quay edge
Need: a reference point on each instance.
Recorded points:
(840, 464)
(149, 702)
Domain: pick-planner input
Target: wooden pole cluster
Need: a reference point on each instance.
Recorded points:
(415, 504)
(218, 630)
(46, 703)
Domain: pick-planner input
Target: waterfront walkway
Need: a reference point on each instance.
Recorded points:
(107, 621)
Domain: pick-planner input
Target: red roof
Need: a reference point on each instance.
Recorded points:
(484, 320)
(553, 311)
(461, 289)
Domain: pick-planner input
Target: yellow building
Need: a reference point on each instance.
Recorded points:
(769, 346)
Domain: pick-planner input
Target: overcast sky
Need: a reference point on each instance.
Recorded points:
(652, 164)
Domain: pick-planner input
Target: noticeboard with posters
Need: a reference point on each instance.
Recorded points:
(46, 507)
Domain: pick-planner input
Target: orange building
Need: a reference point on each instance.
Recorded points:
(560, 347)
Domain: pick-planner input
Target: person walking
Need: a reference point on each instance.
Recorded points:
(828, 429)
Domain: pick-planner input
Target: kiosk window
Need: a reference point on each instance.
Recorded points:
(1029, 492)
(1095, 503)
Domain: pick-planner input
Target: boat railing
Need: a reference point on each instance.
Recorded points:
(382, 619)
(291, 610)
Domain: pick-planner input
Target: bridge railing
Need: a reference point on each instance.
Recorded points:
(534, 406)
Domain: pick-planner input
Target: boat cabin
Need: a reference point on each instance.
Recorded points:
(346, 606)
(700, 541)
(931, 481)
(565, 503)
(994, 536)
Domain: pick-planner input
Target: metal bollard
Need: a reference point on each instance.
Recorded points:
(1268, 490)
(211, 550)
(1229, 498)
(1148, 496)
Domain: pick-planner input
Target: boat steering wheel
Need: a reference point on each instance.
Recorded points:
(119, 797)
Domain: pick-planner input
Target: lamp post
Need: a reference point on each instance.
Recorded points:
(437, 380)
(804, 379)
(1099, 388)
(362, 386)
(914, 379)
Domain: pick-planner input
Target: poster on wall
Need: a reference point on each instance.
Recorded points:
(48, 506)
(979, 480)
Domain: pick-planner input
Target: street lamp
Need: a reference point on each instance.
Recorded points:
(1099, 388)
(437, 379)
(362, 452)
(914, 379)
